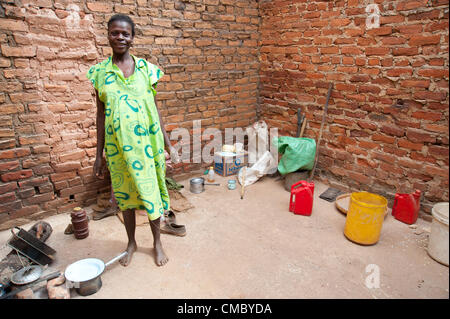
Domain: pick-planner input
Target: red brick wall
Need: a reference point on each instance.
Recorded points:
(368, 143)
(211, 52)
(208, 50)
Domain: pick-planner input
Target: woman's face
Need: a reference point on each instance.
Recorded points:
(120, 36)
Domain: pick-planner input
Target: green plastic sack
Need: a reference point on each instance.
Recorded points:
(172, 184)
(298, 153)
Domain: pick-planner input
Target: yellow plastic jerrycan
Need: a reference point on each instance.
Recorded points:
(365, 218)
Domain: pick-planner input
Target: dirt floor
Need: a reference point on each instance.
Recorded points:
(256, 248)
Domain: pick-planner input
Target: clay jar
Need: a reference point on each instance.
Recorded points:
(79, 223)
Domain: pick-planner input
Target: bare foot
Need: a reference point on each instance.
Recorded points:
(160, 257)
(125, 261)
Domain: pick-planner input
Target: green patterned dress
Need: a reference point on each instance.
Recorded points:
(134, 143)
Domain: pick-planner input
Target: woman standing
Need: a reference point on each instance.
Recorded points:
(131, 131)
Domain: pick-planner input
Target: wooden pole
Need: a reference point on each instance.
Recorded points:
(243, 181)
(303, 128)
(330, 88)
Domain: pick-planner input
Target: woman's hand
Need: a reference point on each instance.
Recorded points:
(168, 160)
(99, 168)
(174, 157)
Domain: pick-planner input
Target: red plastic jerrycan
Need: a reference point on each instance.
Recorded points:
(302, 198)
(406, 207)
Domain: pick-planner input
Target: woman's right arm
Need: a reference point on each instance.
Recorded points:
(99, 164)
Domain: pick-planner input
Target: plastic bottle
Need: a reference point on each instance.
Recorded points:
(211, 175)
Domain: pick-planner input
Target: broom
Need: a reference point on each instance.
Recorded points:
(330, 88)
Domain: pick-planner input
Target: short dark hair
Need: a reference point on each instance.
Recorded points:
(122, 17)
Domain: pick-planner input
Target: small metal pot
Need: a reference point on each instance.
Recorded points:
(197, 185)
(89, 287)
(85, 275)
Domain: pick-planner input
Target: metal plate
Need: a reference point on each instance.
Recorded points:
(85, 269)
(26, 275)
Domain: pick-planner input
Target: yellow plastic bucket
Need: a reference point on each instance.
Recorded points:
(365, 218)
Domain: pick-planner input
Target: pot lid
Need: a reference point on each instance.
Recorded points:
(26, 275)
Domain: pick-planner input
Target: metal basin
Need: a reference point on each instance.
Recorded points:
(85, 275)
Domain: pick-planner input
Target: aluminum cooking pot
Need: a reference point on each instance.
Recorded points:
(85, 275)
(197, 185)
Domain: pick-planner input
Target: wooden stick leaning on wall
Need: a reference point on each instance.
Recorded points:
(303, 128)
(299, 122)
(244, 171)
(330, 88)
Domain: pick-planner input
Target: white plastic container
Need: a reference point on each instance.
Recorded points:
(438, 240)
(211, 175)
